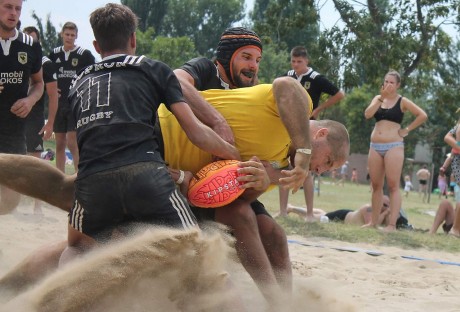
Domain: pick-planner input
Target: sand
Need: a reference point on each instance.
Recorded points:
(170, 271)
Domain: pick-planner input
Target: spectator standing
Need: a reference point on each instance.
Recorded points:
(316, 84)
(69, 59)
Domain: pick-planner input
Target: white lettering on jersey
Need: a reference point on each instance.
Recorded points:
(11, 78)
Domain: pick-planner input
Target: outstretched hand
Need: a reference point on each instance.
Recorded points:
(295, 177)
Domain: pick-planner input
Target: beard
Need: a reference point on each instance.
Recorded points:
(240, 83)
(6, 28)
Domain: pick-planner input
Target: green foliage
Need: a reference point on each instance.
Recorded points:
(150, 12)
(287, 23)
(202, 21)
(49, 36)
(172, 51)
(274, 63)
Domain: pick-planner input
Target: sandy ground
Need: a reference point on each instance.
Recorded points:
(325, 278)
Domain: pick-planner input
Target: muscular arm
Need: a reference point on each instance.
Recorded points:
(292, 102)
(204, 111)
(22, 107)
(201, 135)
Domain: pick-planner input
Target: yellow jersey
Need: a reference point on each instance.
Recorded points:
(253, 116)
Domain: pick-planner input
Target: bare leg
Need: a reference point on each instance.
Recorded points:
(445, 212)
(309, 192)
(78, 243)
(33, 177)
(274, 241)
(377, 174)
(37, 265)
(9, 200)
(455, 231)
(38, 203)
(73, 148)
(394, 160)
(284, 198)
(61, 142)
(241, 219)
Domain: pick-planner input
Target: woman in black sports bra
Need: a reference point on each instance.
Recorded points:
(386, 152)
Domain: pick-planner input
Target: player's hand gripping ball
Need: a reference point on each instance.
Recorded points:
(215, 185)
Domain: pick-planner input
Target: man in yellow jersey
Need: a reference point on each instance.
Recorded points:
(275, 136)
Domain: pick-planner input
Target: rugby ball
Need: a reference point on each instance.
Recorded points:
(215, 185)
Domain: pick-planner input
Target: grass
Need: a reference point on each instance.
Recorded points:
(350, 196)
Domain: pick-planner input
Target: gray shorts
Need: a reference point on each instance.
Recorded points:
(117, 199)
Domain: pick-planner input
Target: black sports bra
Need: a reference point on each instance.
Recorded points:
(393, 114)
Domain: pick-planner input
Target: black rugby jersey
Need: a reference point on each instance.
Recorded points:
(20, 58)
(114, 103)
(49, 75)
(67, 65)
(315, 84)
(205, 74)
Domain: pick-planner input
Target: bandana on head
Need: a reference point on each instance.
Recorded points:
(231, 40)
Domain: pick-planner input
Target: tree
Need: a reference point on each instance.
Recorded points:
(49, 36)
(274, 63)
(380, 35)
(202, 21)
(287, 23)
(150, 12)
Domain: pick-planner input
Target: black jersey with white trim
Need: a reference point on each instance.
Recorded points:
(20, 58)
(68, 64)
(114, 103)
(315, 84)
(205, 74)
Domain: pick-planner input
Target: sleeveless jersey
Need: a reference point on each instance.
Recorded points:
(20, 58)
(114, 103)
(393, 114)
(67, 65)
(267, 138)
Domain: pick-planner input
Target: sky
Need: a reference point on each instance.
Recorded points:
(62, 11)
(78, 12)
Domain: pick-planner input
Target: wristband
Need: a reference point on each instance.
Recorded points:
(181, 177)
(306, 151)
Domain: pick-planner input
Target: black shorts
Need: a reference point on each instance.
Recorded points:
(13, 144)
(208, 214)
(64, 122)
(34, 141)
(422, 182)
(140, 193)
(446, 227)
(338, 215)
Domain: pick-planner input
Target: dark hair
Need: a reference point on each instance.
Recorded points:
(32, 29)
(231, 40)
(113, 25)
(299, 51)
(69, 25)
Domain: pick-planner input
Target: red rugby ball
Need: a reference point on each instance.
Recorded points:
(215, 185)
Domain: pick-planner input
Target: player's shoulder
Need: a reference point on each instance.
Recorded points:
(313, 74)
(25, 39)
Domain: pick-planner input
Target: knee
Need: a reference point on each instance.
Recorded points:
(238, 212)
